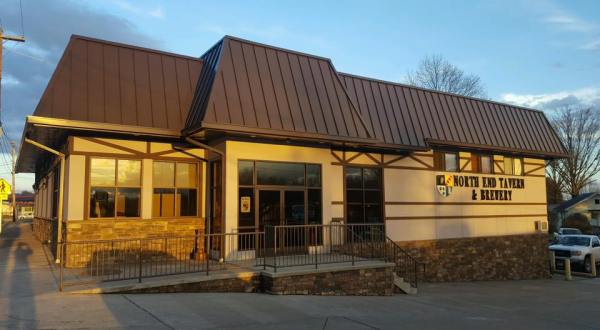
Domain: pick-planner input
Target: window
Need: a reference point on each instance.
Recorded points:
(363, 195)
(513, 166)
(597, 201)
(482, 163)
(175, 189)
(446, 161)
(55, 191)
(115, 188)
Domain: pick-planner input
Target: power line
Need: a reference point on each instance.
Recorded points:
(22, 23)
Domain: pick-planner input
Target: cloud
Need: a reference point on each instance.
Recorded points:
(156, 12)
(28, 66)
(592, 45)
(589, 96)
(569, 22)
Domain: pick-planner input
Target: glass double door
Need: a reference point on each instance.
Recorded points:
(283, 207)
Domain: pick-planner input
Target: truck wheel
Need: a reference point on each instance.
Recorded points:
(588, 264)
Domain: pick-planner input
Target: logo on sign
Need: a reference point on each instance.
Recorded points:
(444, 184)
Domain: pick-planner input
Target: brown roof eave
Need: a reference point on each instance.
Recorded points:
(281, 134)
(470, 146)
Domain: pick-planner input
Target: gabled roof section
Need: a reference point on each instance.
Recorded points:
(106, 82)
(406, 115)
(575, 200)
(254, 88)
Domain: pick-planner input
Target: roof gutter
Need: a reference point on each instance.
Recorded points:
(61, 188)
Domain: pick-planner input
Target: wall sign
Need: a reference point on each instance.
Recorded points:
(245, 204)
(483, 188)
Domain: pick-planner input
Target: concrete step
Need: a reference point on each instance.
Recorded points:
(404, 286)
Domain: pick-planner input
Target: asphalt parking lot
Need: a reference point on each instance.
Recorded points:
(29, 299)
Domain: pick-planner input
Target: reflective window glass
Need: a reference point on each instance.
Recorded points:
(163, 174)
(280, 174)
(450, 162)
(245, 172)
(102, 172)
(128, 202)
(185, 175)
(313, 175)
(102, 202)
(129, 173)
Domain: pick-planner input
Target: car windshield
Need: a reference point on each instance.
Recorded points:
(570, 231)
(575, 240)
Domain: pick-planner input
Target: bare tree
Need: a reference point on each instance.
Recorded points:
(579, 131)
(435, 72)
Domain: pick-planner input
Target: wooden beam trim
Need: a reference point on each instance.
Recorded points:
(490, 216)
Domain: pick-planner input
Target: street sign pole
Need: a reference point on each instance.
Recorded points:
(4, 191)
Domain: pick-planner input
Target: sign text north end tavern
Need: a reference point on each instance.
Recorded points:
(490, 188)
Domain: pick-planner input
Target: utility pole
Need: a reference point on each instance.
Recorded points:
(14, 187)
(14, 191)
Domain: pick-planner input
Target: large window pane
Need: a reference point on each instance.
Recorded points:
(373, 196)
(355, 213)
(353, 177)
(451, 162)
(313, 175)
(280, 174)
(128, 202)
(163, 202)
(102, 202)
(187, 201)
(373, 214)
(102, 172)
(129, 174)
(314, 207)
(294, 207)
(163, 174)
(354, 196)
(246, 207)
(186, 175)
(372, 178)
(246, 173)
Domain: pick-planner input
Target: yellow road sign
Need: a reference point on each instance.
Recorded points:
(4, 189)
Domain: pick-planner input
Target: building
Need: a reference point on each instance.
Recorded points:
(250, 135)
(587, 204)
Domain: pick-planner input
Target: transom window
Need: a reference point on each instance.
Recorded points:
(482, 163)
(364, 195)
(175, 189)
(115, 188)
(513, 166)
(446, 161)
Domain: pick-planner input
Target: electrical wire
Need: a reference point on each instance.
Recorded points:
(22, 22)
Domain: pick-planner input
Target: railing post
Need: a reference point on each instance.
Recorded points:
(593, 262)
(62, 263)
(208, 237)
(275, 250)
(316, 251)
(568, 275)
(140, 262)
(552, 262)
(351, 245)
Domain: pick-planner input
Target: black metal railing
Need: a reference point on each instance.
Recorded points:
(128, 259)
(301, 245)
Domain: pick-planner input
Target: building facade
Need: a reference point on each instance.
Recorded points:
(250, 135)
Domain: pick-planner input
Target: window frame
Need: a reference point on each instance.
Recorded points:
(177, 207)
(116, 186)
(381, 189)
(257, 187)
(478, 157)
(439, 157)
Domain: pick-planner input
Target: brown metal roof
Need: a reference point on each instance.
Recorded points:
(406, 115)
(253, 88)
(106, 82)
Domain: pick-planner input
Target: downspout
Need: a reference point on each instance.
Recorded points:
(222, 156)
(59, 212)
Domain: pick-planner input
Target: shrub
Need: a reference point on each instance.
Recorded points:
(579, 221)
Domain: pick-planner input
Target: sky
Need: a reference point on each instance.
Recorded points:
(540, 54)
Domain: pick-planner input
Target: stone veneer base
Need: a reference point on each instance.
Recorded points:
(515, 257)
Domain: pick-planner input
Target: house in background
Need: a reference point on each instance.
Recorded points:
(587, 204)
(250, 136)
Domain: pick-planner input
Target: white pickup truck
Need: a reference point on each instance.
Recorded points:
(579, 249)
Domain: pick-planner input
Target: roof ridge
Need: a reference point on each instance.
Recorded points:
(351, 75)
(140, 48)
(287, 50)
